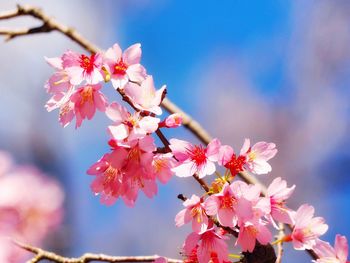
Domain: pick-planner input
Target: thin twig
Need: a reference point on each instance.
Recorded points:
(40, 254)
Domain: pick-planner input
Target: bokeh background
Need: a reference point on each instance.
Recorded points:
(273, 70)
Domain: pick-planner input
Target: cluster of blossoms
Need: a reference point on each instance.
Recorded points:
(26, 216)
(135, 162)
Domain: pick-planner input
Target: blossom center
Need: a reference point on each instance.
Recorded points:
(87, 63)
(197, 155)
(227, 201)
(236, 164)
(120, 68)
(87, 95)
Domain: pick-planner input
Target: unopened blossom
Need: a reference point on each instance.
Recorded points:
(194, 212)
(209, 245)
(257, 156)
(195, 158)
(228, 159)
(251, 231)
(278, 192)
(145, 97)
(121, 67)
(223, 205)
(172, 121)
(80, 67)
(307, 229)
(127, 125)
(328, 254)
(86, 100)
(161, 260)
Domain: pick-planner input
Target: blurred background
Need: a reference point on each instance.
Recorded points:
(272, 70)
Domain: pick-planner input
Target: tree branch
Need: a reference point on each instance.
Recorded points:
(40, 254)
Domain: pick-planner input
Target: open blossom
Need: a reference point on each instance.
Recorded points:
(258, 155)
(328, 254)
(209, 245)
(230, 160)
(194, 211)
(307, 229)
(109, 176)
(127, 125)
(125, 171)
(86, 100)
(278, 192)
(145, 97)
(122, 67)
(80, 67)
(194, 158)
(162, 165)
(251, 231)
(59, 81)
(223, 205)
(26, 216)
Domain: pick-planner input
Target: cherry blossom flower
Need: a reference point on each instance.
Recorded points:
(27, 216)
(162, 165)
(122, 67)
(145, 97)
(257, 156)
(80, 67)
(223, 205)
(251, 231)
(278, 192)
(127, 125)
(208, 245)
(59, 81)
(109, 176)
(307, 228)
(194, 158)
(86, 99)
(328, 254)
(230, 160)
(194, 211)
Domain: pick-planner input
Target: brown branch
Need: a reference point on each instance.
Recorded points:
(50, 24)
(40, 254)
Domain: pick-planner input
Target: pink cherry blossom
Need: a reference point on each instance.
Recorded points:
(86, 99)
(162, 165)
(194, 158)
(145, 97)
(161, 260)
(258, 155)
(127, 125)
(122, 67)
(251, 231)
(27, 216)
(80, 67)
(328, 254)
(60, 80)
(223, 205)
(307, 228)
(208, 245)
(278, 192)
(230, 160)
(194, 211)
(109, 176)
(172, 121)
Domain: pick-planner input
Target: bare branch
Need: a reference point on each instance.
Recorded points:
(40, 254)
